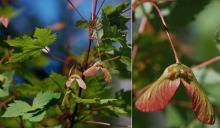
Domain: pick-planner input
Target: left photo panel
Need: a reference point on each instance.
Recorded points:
(65, 64)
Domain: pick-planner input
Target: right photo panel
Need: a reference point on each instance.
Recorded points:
(175, 61)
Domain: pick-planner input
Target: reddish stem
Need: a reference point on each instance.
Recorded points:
(6, 101)
(210, 61)
(82, 17)
(2, 60)
(55, 57)
(134, 52)
(93, 18)
(14, 89)
(100, 7)
(153, 2)
(167, 33)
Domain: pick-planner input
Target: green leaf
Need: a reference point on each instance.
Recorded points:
(117, 110)
(176, 20)
(44, 35)
(19, 41)
(8, 11)
(18, 108)
(127, 61)
(6, 79)
(31, 46)
(82, 24)
(217, 38)
(34, 113)
(55, 82)
(114, 15)
(58, 79)
(33, 117)
(43, 99)
(92, 100)
(106, 101)
(114, 24)
(3, 93)
(87, 101)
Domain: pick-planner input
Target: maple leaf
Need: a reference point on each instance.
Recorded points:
(158, 95)
(30, 47)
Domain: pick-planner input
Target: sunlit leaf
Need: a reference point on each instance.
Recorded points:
(18, 108)
(34, 117)
(43, 99)
(31, 47)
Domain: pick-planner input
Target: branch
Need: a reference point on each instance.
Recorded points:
(210, 61)
(93, 18)
(140, 2)
(134, 52)
(113, 58)
(21, 122)
(55, 57)
(154, 4)
(6, 101)
(14, 89)
(126, 10)
(82, 17)
(47, 51)
(107, 124)
(166, 30)
(100, 7)
(3, 59)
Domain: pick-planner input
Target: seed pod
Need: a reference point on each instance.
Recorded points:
(98, 66)
(158, 95)
(107, 75)
(91, 71)
(78, 79)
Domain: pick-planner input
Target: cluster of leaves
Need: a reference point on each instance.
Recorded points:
(45, 101)
(107, 33)
(33, 113)
(114, 26)
(31, 47)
